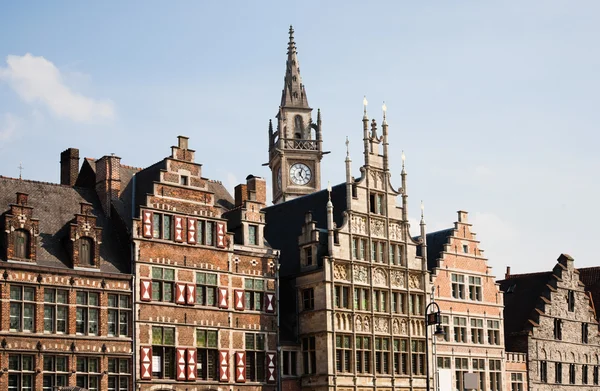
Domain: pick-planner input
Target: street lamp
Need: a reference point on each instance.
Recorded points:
(432, 318)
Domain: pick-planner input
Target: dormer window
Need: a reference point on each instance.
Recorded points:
(308, 255)
(86, 252)
(21, 244)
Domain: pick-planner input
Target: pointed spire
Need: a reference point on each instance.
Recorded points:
(294, 93)
(422, 213)
(347, 149)
(403, 160)
(365, 104)
(384, 108)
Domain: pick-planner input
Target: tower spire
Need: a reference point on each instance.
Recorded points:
(293, 93)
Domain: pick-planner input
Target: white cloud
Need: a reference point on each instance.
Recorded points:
(8, 126)
(36, 79)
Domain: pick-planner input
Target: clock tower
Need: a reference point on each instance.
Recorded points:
(295, 147)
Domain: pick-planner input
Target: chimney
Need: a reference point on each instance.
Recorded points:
(462, 216)
(22, 198)
(241, 194)
(507, 274)
(108, 180)
(69, 166)
(257, 189)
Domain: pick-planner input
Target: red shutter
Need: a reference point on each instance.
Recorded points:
(221, 235)
(240, 367)
(146, 290)
(180, 363)
(191, 364)
(191, 231)
(270, 302)
(180, 293)
(147, 223)
(146, 362)
(191, 294)
(223, 299)
(271, 368)
(178, 229)
(239, 299)
(223, 365)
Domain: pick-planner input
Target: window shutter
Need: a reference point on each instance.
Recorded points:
(146, 290)
(147, 223)
(271, 368)
(223, 365)
(191, 294)
(180, 293)
(221, 235)
(239, 299)
(270, 302)
(191, 364)
(191, 231)
(223, 299)
(240, 367)
(181, 365)
(146, 362)
(179, 229)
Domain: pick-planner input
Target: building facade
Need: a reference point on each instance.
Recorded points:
(550, 317)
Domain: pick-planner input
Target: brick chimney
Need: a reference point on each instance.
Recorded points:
(241, 194)
(69, 166)
(257, 189)
(108, 180)
(507, 274)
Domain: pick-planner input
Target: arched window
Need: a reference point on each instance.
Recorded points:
(21, 244)
(298, 127)
(86, 251)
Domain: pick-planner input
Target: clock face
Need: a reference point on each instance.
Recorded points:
(279, 179)
(300, 174)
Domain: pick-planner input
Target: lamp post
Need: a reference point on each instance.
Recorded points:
(432, 318)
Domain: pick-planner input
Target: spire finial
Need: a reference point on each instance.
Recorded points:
(403, 159)
(347, 147)
(384, 108)
(365, 103)
(422, 211)
(329, 189)
(20, 170)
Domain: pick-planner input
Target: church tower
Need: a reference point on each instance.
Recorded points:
(295, 148)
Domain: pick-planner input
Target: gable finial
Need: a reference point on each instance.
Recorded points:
(384, 108)
(365, 103)
(403, 159)
(347, 147)
(20, 170)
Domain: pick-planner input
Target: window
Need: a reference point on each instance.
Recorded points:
(88, 308)
(22, 308)
(595, 374)
(20, 372)
(342, 296)
(398, 303)
(479, 370)
(254, 293)
(458, 286)
(376, 203)
(475, 288)
(290, 362)
(495, 375)
(362, 245)
(558, 372)
(557, 329)
(584, 374)
(493, 332)
(88, 373)
(477, 331)
(395, 254)
(163, 352)
(208, 354)
(361, 299)
(183, 180)
(309, 355)
(544, 371)
(55, 310)
(21, 244)
(584, 333)
(382, 355)
(252, 234)
(516, 382)
(343, 352)
(415, 304)
(571, 373)
(363, 354)
(205, 233)
(255, 357)
(443, 362)
(461, 366)
(465, 248)
(445, 323)
(206, 289)
(119, 374)
(460, 329)
(308, 299)
(418, 357)
(162, 284)
(56, 372)
(86, 251)
(377, 251)
(119, 313)
(571, 301)
(354, 190)
(308, 256)
(161, 226)
(379, 300)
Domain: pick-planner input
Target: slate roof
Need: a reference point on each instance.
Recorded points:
(590, 277)
(222, 196)
(435, 246)
(55, 206)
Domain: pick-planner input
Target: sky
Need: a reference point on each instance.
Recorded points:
(495, 104)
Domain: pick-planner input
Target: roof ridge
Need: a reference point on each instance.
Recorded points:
(132, 167)
(45, 183)
(528, 274)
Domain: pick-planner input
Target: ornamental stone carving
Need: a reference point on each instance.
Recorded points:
(414, 281)
(397, 279)
(340, 272)
(360, 274)
(358, 323)
(379, 277)
(367, 324)
(395, 231)
(358, 225)
(395, 327)
(403, 327)
(377, 228)
(381, 325)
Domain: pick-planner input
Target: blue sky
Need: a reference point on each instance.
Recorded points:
(494, 104)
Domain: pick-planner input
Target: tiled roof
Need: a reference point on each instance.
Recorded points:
(55, 206)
